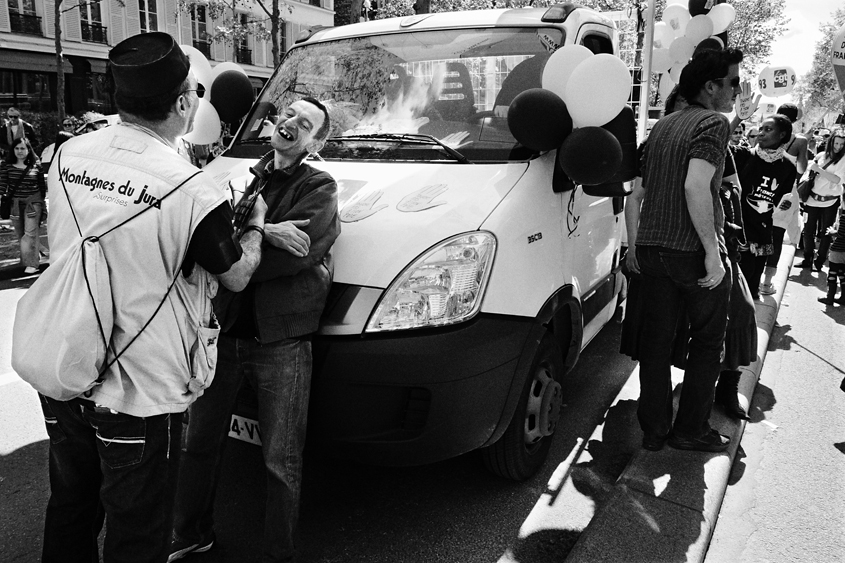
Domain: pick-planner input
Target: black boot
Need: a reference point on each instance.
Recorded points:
(726, 394)
(831, 291)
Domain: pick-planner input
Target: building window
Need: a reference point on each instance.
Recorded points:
(199, 30)
(91, 20)
(149, 15)
(29, 91)
(244, 53)
(22, 17)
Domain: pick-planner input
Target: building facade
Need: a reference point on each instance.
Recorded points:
(90, 29)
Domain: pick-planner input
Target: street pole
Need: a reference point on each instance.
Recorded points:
(645, 81)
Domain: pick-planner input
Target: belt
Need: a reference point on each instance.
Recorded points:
(818, 197)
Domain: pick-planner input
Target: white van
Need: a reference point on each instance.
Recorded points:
(470, 272)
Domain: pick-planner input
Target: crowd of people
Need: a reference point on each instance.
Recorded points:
(706, 224)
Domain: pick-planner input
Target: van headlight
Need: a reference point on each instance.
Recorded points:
(443, 286)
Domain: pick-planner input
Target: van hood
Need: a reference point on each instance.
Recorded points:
(393, 212)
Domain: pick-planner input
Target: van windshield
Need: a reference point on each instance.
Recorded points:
(452, 85)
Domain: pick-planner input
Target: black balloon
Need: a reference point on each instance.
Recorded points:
(624, 128)
(698, 7)
(231, 95)
(590, 156)
(539, 119)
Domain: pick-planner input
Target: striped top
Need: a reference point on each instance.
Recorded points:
(32, 184)
(839, 242)
(694, 132)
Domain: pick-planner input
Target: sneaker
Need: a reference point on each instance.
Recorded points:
(179, 548)
(30, 270)
(767, 288)
(710, 442)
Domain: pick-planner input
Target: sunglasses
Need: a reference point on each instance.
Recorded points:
(67, 124)
(200, 90)
(752, 136)
(734, 81)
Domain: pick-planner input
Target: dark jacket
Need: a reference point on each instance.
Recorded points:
(5, 131)
(286, 294)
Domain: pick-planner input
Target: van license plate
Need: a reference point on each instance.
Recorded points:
(245, 429)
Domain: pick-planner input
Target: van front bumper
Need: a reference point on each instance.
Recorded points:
(415, 397)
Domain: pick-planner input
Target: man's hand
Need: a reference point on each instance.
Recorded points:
(747, 101)
(715, 271)
(288, 236)
(631, 260)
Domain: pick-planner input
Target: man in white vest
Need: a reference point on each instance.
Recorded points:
(114, 454)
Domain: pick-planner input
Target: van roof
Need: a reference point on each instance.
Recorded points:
(529, 17)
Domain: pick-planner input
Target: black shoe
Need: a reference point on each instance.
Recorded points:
(805, 264)
(828, 300)
(840, 301)
(710, 442)
(653, 443)
(179, 548)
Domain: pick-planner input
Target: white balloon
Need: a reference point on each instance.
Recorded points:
(598, 90)
(683, 3)
(723, 16)
(677, 17)
(560, 65)
(699, 28)
(663, 35)
(665, 87)
(223, 67)
(199, 65)
(776, 81)
(675, 72)
(681, 50)
(206, 125)
(661, 60)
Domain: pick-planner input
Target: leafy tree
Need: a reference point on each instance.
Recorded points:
(60, 67)
(234, 26)
(819, 88)
(758, 23)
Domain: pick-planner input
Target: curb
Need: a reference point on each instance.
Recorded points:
(665, 504)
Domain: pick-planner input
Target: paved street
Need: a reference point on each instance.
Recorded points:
(784, 501)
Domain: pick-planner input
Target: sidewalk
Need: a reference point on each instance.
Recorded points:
(663, 498)
(612, 501)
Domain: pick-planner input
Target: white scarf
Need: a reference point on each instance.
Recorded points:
(769, 155)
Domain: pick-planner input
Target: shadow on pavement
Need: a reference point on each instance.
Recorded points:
(23, 490)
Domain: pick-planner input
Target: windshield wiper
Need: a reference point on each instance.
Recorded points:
(417, 139)
(253, 141)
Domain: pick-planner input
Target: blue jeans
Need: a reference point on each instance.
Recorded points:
(280, 374)
(110, 465)
(670, 280)
(26, 219)
(818, 221)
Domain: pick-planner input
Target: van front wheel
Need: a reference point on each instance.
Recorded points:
(523, 448)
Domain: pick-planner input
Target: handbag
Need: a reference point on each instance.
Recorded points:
(805, 188)
(6, 200)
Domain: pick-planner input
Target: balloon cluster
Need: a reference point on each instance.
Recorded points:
(228, 96)
(576, 110)
(686, 28)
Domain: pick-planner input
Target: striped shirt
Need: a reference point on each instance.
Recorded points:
(694, 132)
(10, 179)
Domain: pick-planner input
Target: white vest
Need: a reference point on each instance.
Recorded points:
(111, 175)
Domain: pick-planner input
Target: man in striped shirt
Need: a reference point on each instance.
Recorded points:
(682, 256)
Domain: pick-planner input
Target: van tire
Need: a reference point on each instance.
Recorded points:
(523, 448)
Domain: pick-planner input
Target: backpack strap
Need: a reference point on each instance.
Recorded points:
(95, 238)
